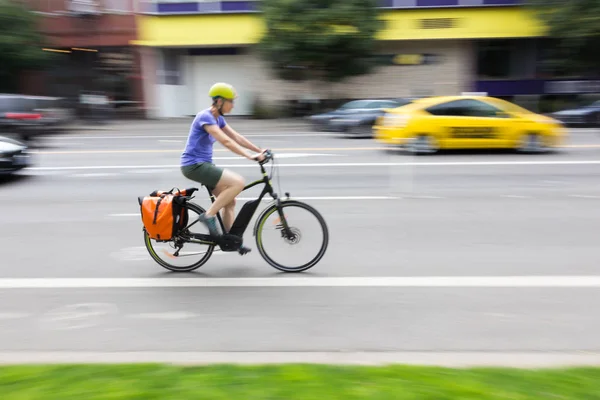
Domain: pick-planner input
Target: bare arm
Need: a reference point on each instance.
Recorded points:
(227, 141)
(241, 140)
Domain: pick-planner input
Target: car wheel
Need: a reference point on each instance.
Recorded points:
(532, 143)
(359, 131)
(421, 145)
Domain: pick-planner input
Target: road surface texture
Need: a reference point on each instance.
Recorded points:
(452, 259)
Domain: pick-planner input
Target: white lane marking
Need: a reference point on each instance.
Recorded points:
(291, 134)
(286, 155)
(88, 167)
(138, 253)
(297, 155)
(515, 196)
(96, 175)
(174, 315)
(147, 171)
(68, 143)
(77, 316)
(431, 358)
(13, 315)
(171, 141)
(388, 164)
(42, 173)
(424, 197)
(583, 196)
(592, 281)
(327, 198)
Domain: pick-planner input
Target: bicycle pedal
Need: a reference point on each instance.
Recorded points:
(244, 250)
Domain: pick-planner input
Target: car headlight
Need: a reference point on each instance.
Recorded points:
(396, 120)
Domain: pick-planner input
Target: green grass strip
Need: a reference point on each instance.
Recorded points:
(286, 382)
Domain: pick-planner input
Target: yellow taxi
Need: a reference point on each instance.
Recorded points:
(467, 122)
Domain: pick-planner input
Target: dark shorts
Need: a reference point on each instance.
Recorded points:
(205, 173)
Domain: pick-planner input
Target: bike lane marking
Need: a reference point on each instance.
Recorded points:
(592, 281)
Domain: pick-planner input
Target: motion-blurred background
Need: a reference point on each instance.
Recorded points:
(103, 60)
(96, 100)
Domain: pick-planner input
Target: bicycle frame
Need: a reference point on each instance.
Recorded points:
(242, 220)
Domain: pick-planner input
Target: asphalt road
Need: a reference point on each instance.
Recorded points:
(74, 214)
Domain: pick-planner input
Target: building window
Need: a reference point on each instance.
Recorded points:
(494, 59)
(170, 71)
(118, 5)
(83, 6)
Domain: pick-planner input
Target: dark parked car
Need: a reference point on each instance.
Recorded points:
(29, 116)
(356, 117)
(582, 116)
(14, 156)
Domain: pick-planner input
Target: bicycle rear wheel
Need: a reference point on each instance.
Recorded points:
(273, 220)
(188, 247)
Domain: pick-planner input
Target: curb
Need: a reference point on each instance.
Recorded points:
(439, 359)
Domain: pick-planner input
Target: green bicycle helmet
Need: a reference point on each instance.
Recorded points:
(223, 90)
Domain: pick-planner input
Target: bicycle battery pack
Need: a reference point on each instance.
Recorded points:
(244, 216)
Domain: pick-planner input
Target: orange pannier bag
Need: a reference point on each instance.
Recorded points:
(164, 213)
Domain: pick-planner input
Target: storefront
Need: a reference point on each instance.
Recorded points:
(90, 42)
(432, 52)
(522, 71)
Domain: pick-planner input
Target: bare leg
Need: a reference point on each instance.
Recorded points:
(227, 213)
(230, 185)
(228, 188)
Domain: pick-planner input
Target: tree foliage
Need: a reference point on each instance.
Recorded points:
(20, 43)
(320, 39)
(574, 25)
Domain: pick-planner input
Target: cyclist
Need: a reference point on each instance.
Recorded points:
(208, 127)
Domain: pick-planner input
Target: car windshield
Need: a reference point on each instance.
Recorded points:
(356, 104)
(511, 107)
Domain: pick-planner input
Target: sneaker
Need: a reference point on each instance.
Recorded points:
(211, 224)
(244, 250)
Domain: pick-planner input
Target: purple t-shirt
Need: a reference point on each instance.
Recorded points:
(199, 146)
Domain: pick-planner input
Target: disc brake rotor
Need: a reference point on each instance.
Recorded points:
(295, 237)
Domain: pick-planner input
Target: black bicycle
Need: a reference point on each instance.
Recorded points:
(284, 226)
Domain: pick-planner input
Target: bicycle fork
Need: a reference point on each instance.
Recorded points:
(283, 225)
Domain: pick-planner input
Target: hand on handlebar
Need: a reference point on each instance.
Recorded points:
(265, 155)
(259, 156)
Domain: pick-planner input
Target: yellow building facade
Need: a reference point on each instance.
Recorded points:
(188, 46)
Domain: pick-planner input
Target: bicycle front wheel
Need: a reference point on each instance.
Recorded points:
(277, 245)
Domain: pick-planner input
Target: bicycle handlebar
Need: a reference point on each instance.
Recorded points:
(268, 157)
